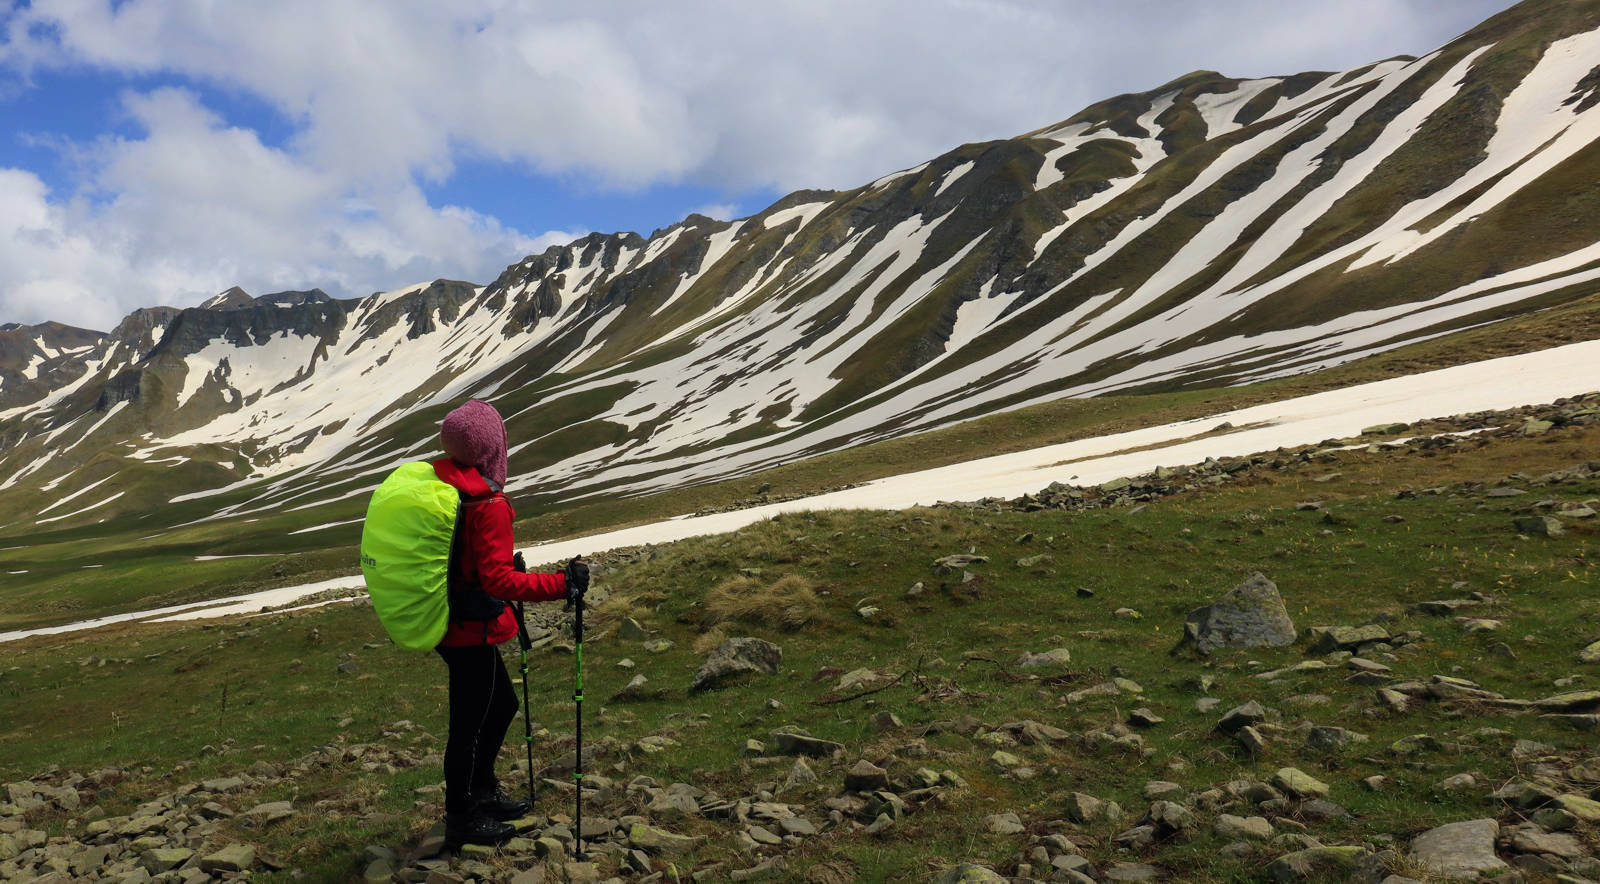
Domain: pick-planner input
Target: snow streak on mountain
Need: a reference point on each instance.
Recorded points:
(1209, 231)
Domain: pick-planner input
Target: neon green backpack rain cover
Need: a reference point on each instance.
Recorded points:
(405, 554)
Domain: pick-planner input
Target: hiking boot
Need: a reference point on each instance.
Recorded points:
(498, 806)
(475, 828)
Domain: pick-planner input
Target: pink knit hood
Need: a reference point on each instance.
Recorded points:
(474, 435)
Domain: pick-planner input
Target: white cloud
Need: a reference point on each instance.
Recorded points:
(195, 206)
(383, 95)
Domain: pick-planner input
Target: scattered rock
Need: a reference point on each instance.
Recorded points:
(1300, 784)
(1540, 526)
(1243, 715)
(1003, 824)
(1326, 640)
(647, 837)
(1325, 738)
(1050, 658)
(1251, 615)
(1318, 864)
(801, 744)
(1252, 828)
(1462, 848)
(735, 657)
(233, 858)
(866, 777)
(968, 873)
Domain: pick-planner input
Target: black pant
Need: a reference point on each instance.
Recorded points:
(482, 706)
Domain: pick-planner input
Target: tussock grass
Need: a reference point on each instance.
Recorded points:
(789, 603)
(708, 641)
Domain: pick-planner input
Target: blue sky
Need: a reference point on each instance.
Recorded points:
(159, 151)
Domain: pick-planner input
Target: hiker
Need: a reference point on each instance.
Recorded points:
(486, 575)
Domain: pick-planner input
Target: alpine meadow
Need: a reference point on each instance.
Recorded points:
(1201, 488)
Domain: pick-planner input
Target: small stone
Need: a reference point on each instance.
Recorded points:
(762, 835)
(866, 777)
(1252, 828)
(1317, 864)
(1324, 738)
(656, 646)
(646, 837)
(576, 873)
(1299, 783)
(1003, 824)
(1132, 872)
(158, 860)
(233, 858)
(886, 721)
(1143, 717)
(1051, 658)
(1004, 761)
(1540, 526)
(1241, 716)
(1532, 839)
(800, 744)
(1104, 689)
(800, 774)
(968, 873)
(1583, 808)
(271, 811)
(1085, 809)
(1251, 740)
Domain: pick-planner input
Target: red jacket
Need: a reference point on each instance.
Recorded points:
(485, 559)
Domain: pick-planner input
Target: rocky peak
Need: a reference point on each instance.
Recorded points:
(233, 297)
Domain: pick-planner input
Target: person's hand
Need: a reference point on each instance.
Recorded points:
(518, 564)
(577, 572)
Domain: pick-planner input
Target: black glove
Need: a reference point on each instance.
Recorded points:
(518, 564)
(577, 579)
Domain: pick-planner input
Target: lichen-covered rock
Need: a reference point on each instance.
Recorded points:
(737, 656)
(1317, 864)
(1461, 848)
(1300, 784)
(967, 873)
(659, 840)
(1251, 615)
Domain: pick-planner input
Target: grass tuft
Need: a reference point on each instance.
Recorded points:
(790, 603)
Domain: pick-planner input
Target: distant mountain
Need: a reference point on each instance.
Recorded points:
(1209, 231)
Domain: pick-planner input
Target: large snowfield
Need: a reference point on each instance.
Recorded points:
(1507, 382)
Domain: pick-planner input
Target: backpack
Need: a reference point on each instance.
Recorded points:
(408, 548)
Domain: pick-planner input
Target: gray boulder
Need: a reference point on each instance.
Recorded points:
(1251, 615)
(1459, 849)
(734, 657)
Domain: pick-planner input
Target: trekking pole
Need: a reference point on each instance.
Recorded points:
(577, 699)
(525, 642)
